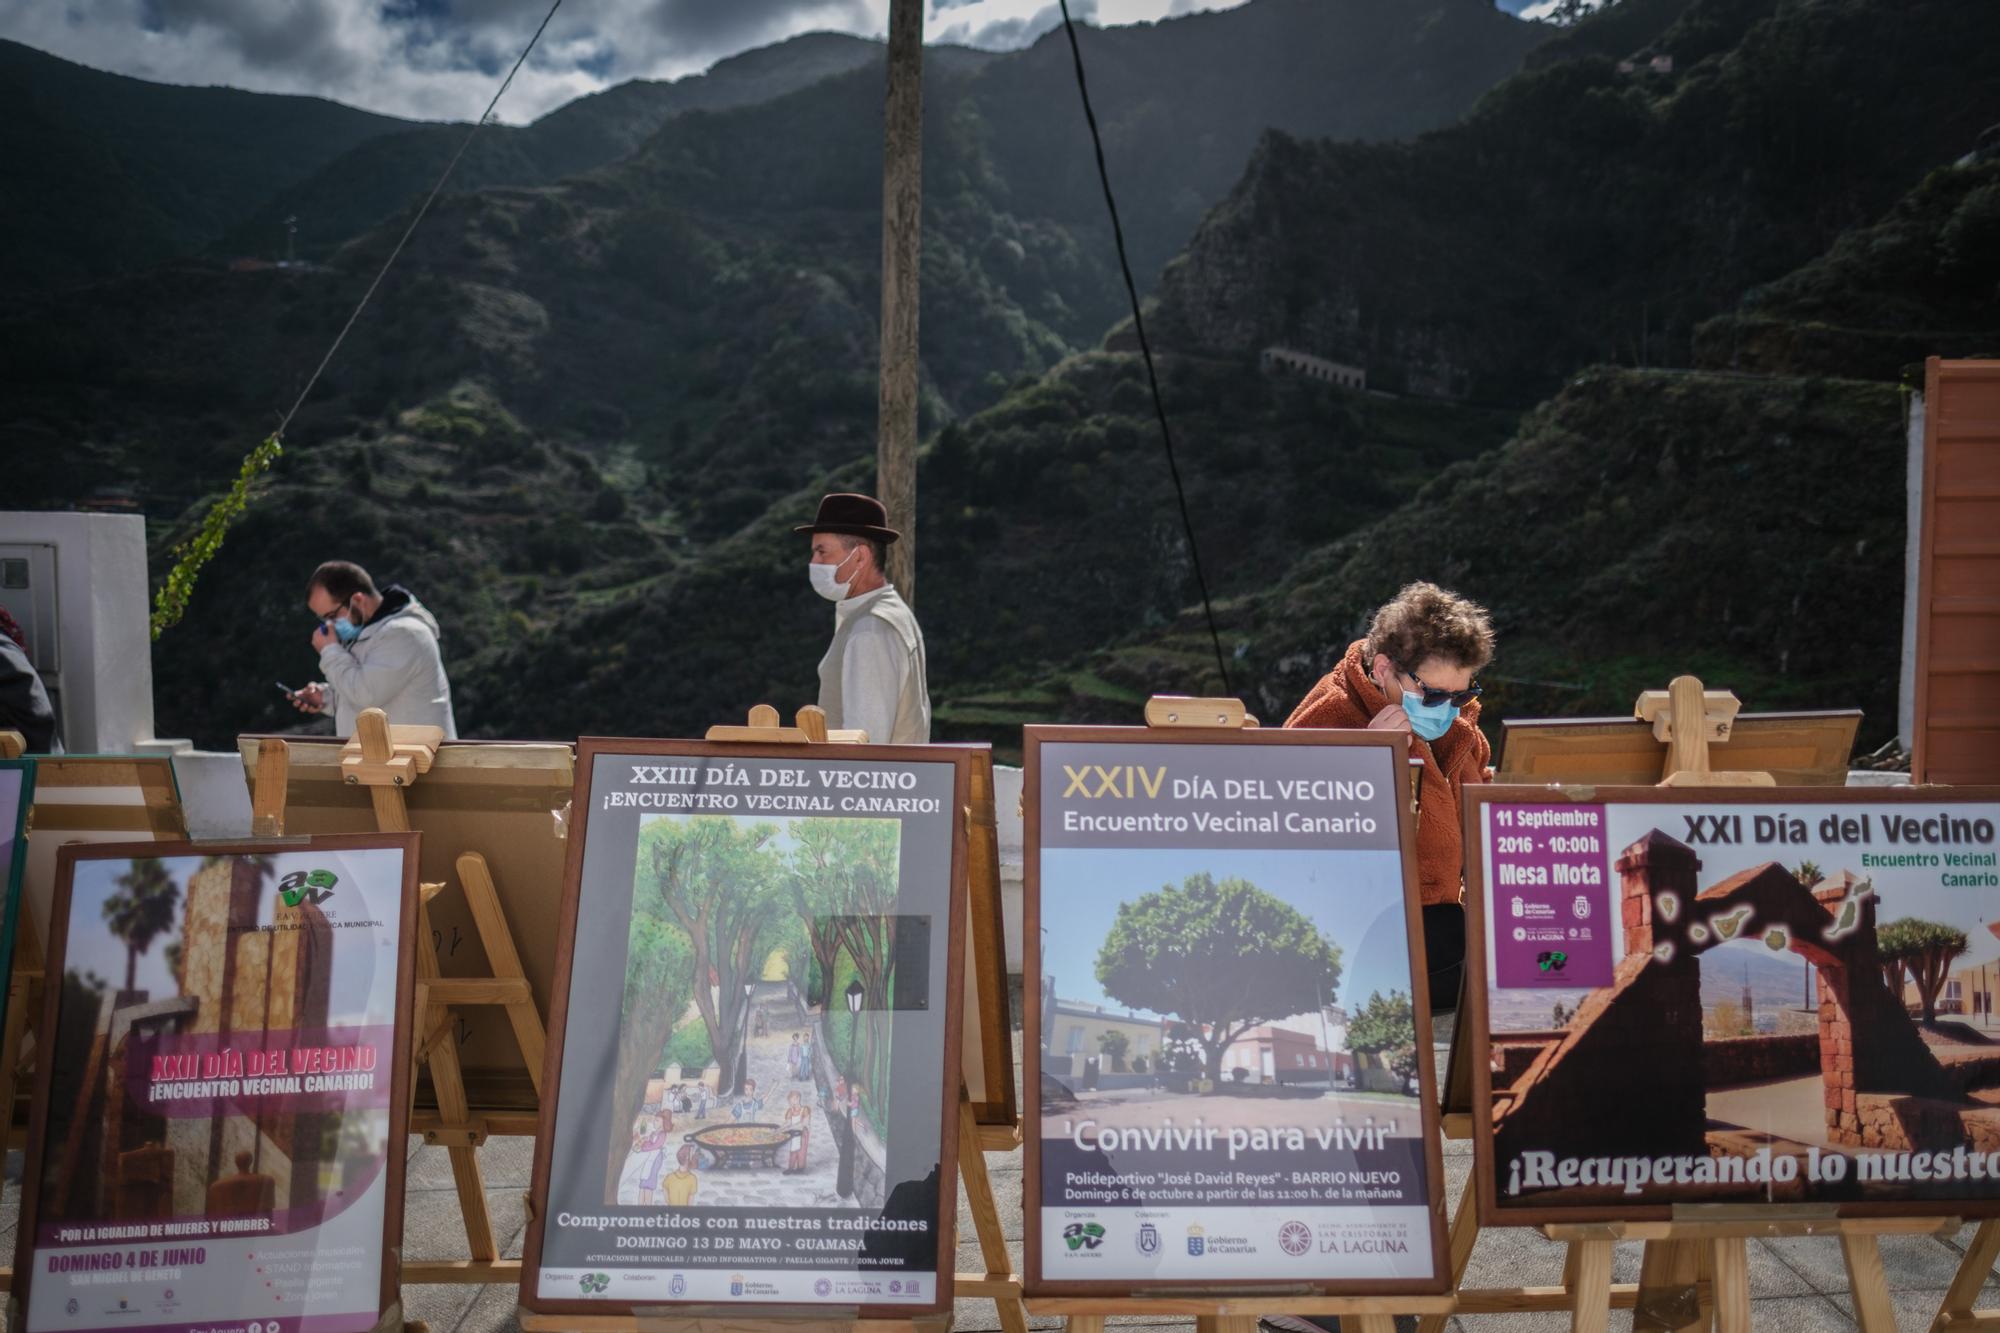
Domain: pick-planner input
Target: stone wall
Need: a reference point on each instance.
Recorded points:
(1728, 1060)
(1925, 1124)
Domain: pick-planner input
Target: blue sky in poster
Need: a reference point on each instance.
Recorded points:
(368, 887)
(1355, 898)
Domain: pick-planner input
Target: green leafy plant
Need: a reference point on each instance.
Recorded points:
(171, 601)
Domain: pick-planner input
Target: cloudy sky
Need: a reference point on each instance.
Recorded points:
(442, 59)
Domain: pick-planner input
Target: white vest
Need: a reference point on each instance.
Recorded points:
(849, 703)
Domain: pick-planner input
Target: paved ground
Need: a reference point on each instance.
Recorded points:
(1796, 1286)
(1790, 1108)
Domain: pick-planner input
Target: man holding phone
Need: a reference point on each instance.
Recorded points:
(376, 650)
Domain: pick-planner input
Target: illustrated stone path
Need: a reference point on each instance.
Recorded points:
(763, 1188)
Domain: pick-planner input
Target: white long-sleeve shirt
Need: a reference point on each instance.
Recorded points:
(872, 678)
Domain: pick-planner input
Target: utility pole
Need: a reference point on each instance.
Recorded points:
(902, 246)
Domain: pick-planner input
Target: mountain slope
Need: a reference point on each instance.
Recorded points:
(1924, 281)
(1641, 524)
(360, 188)
(105, 174)
(1582, 214)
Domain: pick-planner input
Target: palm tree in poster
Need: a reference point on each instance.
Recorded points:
(141, 910)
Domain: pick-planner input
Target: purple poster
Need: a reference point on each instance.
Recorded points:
(1551, 905)
(221, 1142)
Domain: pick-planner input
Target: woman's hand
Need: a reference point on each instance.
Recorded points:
(1392, 718)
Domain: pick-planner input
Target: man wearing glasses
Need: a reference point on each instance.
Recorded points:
(376, 650)
(1416, 672)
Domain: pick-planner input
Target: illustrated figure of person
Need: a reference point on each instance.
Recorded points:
(798, 1120)
(704, 1100)
(806, 1055)
(681, 1183)
(747, 1103)
(792, 1055)
(649, 1136)
(760, 1025)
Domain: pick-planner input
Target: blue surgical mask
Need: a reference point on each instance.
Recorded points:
(346, 631)
(1428, 721)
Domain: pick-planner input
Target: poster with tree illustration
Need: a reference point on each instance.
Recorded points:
(755, 1027)
(737, 1046)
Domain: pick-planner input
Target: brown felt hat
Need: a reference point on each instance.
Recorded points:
(852, 516)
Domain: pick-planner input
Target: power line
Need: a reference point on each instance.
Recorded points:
(1145, 348)
(424, 208)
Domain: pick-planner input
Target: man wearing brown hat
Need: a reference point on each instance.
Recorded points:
(872, 677)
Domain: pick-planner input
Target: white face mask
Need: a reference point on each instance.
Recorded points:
(826, 585)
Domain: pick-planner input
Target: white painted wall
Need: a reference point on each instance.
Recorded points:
(106, 646)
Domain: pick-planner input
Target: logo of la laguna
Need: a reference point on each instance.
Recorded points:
(1149, 1238)
(1295, 1238)
(1196, 1242)
(1581, 907)
(822, 1288)
(677, 1287)
(303, 886)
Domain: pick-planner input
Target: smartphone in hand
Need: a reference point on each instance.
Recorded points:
(285, 689)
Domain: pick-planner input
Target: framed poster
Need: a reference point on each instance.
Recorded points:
(218, 1134)
(1789, 995)
(1228, 1073)
(751, 1092)
(17, 792)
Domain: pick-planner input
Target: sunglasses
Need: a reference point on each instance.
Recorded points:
(1433, 696)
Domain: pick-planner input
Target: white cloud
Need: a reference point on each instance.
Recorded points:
(442, 59)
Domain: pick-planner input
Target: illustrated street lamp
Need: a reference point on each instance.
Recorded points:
(844, 1186)
(743, 1043)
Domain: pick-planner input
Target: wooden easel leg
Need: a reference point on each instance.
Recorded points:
(1669, 1299)
(1086, 1323)
(502, 959)
(1973, 1271)
(448, 1082)
(985, 1212)
(1228, 1323)
(1590, 1290)
(1873, 1310)
(1371, 1323)
(1732, 1285)
(1464, 1235)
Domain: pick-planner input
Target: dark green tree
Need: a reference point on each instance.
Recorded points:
(1386, 1028)
(141, 910)
(1220, 956)
(1926, 949)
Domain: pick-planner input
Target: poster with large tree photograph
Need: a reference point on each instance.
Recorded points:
(1226, 1014)
(756, 1030)
(1788, 993)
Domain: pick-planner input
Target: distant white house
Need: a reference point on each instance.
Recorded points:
(1285, 361)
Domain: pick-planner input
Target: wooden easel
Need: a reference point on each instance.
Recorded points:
(999, 1283)
(388, 760)
(1696, 1269)
(1231, 1313)
(1957, 1311)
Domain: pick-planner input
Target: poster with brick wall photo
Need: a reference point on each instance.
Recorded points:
(1788, 996)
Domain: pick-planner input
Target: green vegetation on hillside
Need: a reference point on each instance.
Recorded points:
(1581, 214)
